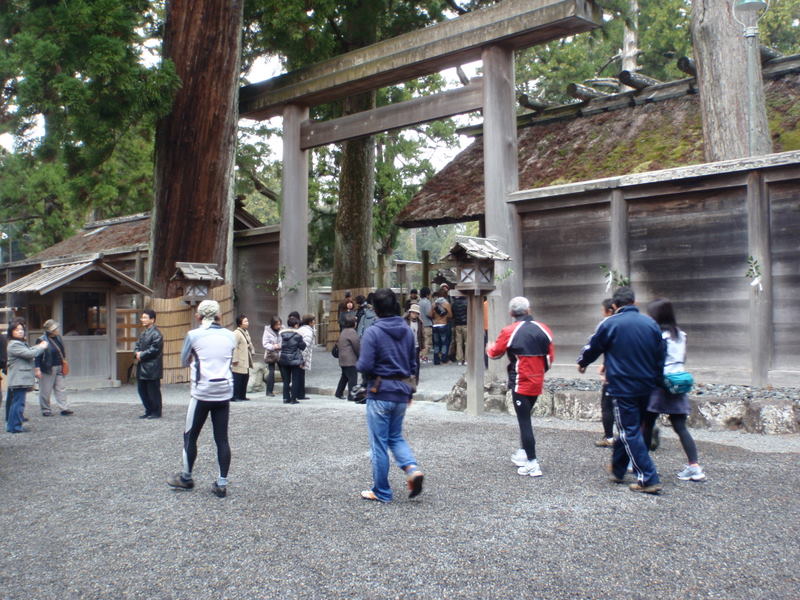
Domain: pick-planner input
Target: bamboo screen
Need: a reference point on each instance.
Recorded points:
(175, 318)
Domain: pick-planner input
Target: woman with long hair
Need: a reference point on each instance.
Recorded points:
(663, 402)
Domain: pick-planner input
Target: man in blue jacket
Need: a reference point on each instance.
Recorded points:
(388, 361)
(634, 360)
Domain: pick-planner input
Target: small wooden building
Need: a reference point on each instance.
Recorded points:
(82, 296)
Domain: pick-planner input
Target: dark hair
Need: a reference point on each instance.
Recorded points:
(307, 319)
(371, 298)
(664, 314)
(16, 322)
(425, 292)
(347, 293)
(349, 321)
(239, 319)
(293, 321)
(150, 313)
(275, 320)
(360, 300)
(608, 304)
(623, 296)
(296, 314)
(385, 303)
(413, 291)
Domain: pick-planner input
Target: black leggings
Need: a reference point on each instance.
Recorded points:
(679, 425)
(607, 412)
(195, 419)
(523, 405)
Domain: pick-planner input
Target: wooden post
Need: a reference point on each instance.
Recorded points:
(501, 176)
(426, 268)
(475, 350)
(618, 235)
(293, 247)
(761, 327)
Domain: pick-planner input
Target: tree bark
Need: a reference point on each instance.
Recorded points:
(196, 142)
(721, 62)
(353, 248)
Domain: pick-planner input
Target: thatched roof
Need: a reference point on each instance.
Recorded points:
(566, 145)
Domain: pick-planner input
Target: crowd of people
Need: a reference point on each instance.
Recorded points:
(386, 345)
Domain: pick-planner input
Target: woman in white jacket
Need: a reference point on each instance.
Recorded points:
(271, 341)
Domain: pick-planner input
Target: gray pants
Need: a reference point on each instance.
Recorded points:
(49, 383)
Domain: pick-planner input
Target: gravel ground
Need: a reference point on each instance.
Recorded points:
(88, 513)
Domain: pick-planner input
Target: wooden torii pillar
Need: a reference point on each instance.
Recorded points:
(491, 34)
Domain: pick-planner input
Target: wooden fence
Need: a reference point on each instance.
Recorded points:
(175, 318)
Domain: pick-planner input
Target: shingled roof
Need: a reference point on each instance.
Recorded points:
(572, 143)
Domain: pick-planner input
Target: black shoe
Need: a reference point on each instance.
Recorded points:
(151, 417)
(270, 394)
(294, 402)
(303, 398)
(25, 419)
(67, 413)
(46, 413)
(220, 491)
(338, 396)
(244, 399)
(177, 481)
(287, 401)
(145, 416)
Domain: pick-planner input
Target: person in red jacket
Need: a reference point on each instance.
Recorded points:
(529, 346)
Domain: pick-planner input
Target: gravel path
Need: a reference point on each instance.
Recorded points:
(88, 515)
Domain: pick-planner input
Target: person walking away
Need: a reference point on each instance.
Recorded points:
(290, 360)
(308, 331)
(242, 359)
(387, 358)
(425, 308)
(149, 354)
(606, 406)
(49, 370)
(349, 347)
(414, 322)
(20, 372)
(663, 402)
(441, 315)
(529, 347)
(634, 361)
(460, 328)
(208, 352)
(271, 342)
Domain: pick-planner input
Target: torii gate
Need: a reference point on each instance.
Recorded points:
(491, 35)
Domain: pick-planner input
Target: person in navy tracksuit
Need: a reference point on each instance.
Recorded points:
(634, 361)
(529, 346)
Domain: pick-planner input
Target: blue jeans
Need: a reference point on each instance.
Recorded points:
(16, 407)
(385, 424)
(441, 344)
(630, 446)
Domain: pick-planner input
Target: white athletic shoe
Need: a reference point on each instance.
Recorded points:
(519, 458)
(531, 468)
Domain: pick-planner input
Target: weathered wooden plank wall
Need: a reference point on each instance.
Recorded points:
(686, 235)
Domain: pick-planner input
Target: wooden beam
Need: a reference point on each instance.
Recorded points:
(513, 23)
(393, 116)
(758, 242)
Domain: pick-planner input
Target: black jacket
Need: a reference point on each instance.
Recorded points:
(51, 356)
(292, 346)
(3, 352)
(459, 307)
(151, 359)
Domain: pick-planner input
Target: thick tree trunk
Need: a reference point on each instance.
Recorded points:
(353, 250)
(721, 62)
(195, 143)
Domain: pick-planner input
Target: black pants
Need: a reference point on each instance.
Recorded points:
(607, 412)
(291, 382)
(349, 377)
(270, 377)
(678, 423)
(240, 385)
(195, 419)
(301, 389)
(150, 393)
(523, 405)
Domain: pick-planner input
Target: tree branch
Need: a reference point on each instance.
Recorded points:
(460, 10)
(259, 185)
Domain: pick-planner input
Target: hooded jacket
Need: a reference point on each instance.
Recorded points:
(292, 346)
(387, 349)
(634, 352)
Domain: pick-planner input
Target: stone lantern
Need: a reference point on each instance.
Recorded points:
(474, 259)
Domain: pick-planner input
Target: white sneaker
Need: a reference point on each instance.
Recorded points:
(531, 468)
(520, 458)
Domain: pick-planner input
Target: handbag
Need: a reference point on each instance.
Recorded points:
(64, 363)
(678, 383)
(335, 350)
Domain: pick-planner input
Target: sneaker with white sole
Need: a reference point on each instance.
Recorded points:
(520, 458)
(531, 468)
(693, 472)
